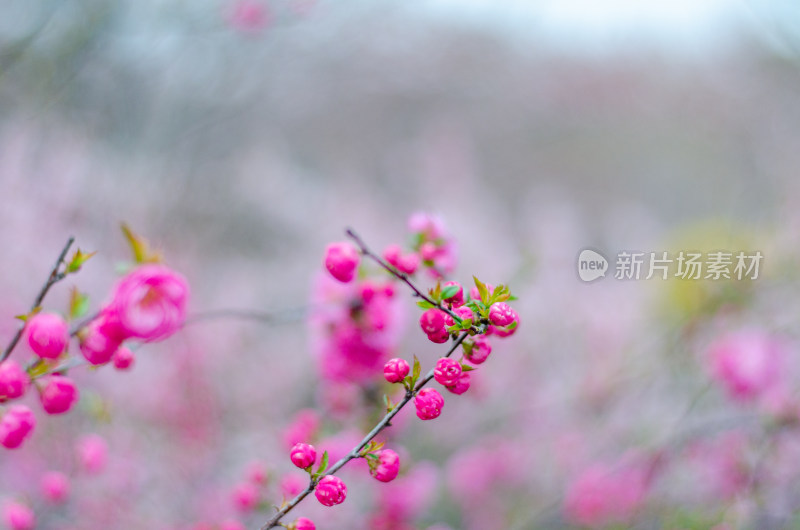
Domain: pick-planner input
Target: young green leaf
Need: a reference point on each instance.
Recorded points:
(484, 292)
(424, 304)
(450, 291)
(323, 464)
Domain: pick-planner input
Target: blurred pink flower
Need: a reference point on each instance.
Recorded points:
(249, 15)
(747, 363)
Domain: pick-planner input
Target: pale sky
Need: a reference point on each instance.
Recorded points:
(608, 25)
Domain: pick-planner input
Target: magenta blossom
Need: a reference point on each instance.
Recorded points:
(429, 403)
(58, 394)
(17, 516)
(447, 371)
(386, 467)
(14, 380)
(303, 455)
(747, 363)
(341, 260)
(395, 370)
(55, 487)
(331, 491)
(16, 426)
(48, 335)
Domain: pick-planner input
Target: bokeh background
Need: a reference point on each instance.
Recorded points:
(241, 137)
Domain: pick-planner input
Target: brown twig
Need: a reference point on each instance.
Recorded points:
(399, 275)
(54, 278)
(355, 452)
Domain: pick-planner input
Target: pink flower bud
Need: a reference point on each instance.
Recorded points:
(232, 524)
(429, 403)
(149, 303)
(99, 341)
(92, 453)
(457, 300)
(396, 370)
(123, 358)
(303, 455)
(405, 263)
(55, 487)
(463, 312)
(58, 394)
(13, 380)
(17, 516)
(16, 425)
(447, 371)
(249, 16)
(439, 337)
(461, 385)
(386, 467)
(331, 491)
(304, 524)
(501, 314)
(480, 351)
(48, 335)
(245, 496)
(428, 251)
(506, 331)
(341, 260)
(749, 363)
(432, 321)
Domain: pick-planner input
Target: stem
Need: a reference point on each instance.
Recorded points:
(354, 453)
(399, 275)
(54, 278)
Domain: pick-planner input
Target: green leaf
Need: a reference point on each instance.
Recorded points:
(78, 304)
(449, 291)
(424, 304)
(417, 370)
(512, 325)
(466, 368)
(481, 289)
(141, 250)
(511, 298)
(323, 464)
(78, 259)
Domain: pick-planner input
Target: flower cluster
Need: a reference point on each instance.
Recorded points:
(148, 304)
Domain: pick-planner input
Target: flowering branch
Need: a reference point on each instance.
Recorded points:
(399, 275)
(54, 277)
(355, 452)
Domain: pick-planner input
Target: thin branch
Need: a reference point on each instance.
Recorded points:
(54, 278)
(385, 422)
(399, 275)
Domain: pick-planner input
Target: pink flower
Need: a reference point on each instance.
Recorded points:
(447, 371)
(232, 524)
(463, 312)
(149, 303)
(436, 249)
(501, 314)
(331, 491)
(439, 337)
(249, 16)
(429, 403)
(48, 335)
(92, 453)
(14, 380)
(405, 263)
(16, 425)
(58, 394)
(427, 225)
(386, 467)
(123, 358)
(17, 516)
(747, 363)
(304, 427)
(246, 496)
(99, 340)
(603, 495)
(341, 260)
(505, 331)
(432, 321)
(303, 455)
(55, 487)
(395, 370)
(291, 485)
(304, 524)
(479, 350)
(457, 300)
(461, 385)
